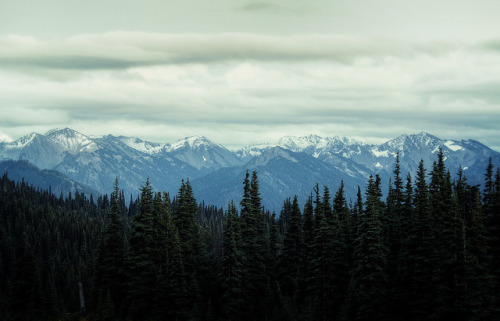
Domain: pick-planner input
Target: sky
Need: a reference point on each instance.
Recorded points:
(242, 72)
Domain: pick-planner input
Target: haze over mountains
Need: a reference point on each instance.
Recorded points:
(292, 166)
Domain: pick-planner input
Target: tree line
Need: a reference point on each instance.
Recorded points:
(429, 251)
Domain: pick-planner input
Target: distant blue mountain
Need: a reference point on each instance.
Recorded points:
(43, 178)
(292, 166)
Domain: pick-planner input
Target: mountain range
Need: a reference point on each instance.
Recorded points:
(72, 161)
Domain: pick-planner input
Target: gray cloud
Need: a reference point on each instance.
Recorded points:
(239, 89)
(119, 50)
(260, 5)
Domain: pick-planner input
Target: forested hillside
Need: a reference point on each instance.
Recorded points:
(429, 251)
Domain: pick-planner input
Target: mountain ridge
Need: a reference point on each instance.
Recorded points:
(96, 161)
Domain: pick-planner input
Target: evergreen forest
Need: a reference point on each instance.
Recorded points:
(430, 250)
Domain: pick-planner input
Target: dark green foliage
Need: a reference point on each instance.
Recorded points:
(108, 291)
(53, 240)
(140, 260)
(290, 261)
(232, 267)
(255, 246)
(369, 275)
(25, 295)
(430, 251)
(492, 217)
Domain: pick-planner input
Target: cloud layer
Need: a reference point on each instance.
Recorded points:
(243, 88)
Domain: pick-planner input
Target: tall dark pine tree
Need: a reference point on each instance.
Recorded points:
(342, 249)
(324, 284)
(423, 256)
(409, 242)
(357, 212)
(473, 303)
(305, 294)
(489, 189)
(369, 278)
(175, 290)
(109, 270)
(447, 228)
(393, 238)
(255, 246)
(140, 260)
(492, 217)
(194, 258)
(232, 267)
(162, 252)
(290, 273)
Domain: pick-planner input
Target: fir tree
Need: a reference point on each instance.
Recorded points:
(255, 279)
(424, 254)
(142, 272)
(232, 265)
(194, 259)
(290, 262)
(110, 268)
(369, 278)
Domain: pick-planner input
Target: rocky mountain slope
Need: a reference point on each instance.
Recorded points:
(291, 166)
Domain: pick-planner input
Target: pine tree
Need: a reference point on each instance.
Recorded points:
(369, 278)
(476, 284)
(194, 259)
(305, 293)
(424, 254)
(492, 217)
(290, 262)
(256, 290)
(110, 268)
(407, 257)
(325, 283)
(392, 220)
(176, 291)
(142, 272)
(357, 213)
(342, 249)
(232, 264)
(489, 189)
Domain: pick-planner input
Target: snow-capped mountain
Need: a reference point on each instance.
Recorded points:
(356, 157)
(291, 166)
(143, 146)
(35, 148)
(282, 173)
(202, 153)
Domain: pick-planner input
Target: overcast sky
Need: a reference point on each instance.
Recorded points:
(243, 72)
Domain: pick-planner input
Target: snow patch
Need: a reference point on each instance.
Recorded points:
(192, 142)
(378, 165)
(380, 153)
(452, 145)
(143, 146)
(5, 139)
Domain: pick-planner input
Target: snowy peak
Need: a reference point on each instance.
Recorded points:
(71, 140)
(273, 153)
(201, 153)
(5, 139)
(422, 140)
(251, 151)
(314, 142)
(146, 147)
(35, 148)
(193, 142)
